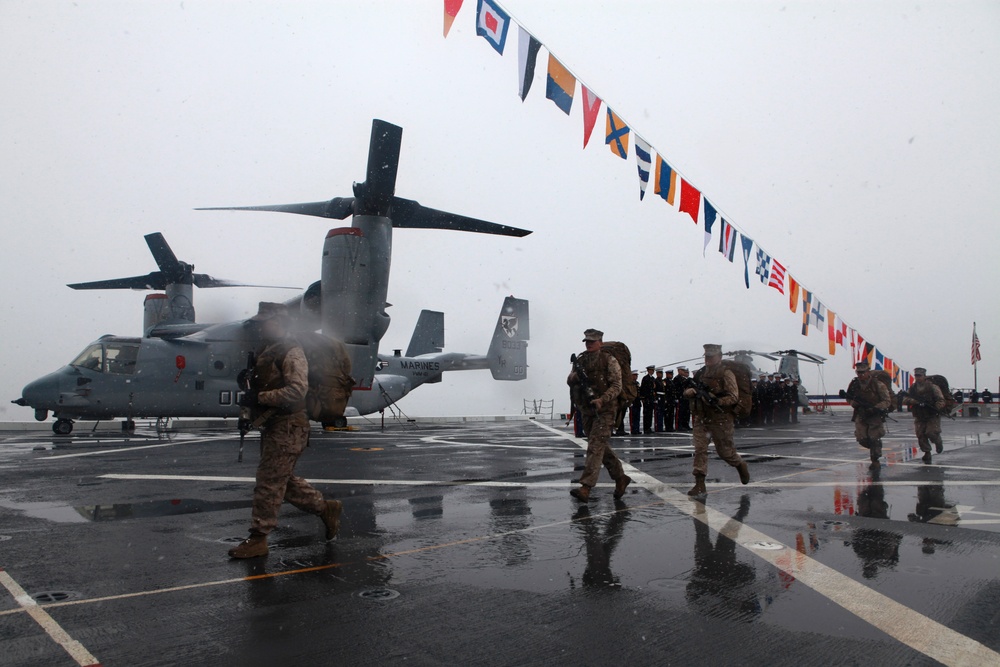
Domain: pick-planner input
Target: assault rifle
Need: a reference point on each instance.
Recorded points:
(702, 393)
(865, 405)
(243, 381)
(927, 406)
(581, 375)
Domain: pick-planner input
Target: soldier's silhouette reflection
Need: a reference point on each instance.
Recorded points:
(600, 545)
(932, 507)
(876, 548)
(720, 584)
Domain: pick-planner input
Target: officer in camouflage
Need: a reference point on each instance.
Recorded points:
(926, 401)
(870, 400)
(713, 420)
(594, 384)
(279, 383)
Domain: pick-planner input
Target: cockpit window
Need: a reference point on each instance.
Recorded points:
(91, 358)
(118, 358)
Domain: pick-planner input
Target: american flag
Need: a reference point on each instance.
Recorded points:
(975, 346)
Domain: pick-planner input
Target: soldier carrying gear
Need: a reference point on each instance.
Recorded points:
(870, 400)
(278, 386)
(926, 401)
(595, 382)
(714, 422)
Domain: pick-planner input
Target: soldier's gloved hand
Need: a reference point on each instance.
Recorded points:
(248, 400)
(909, 401)
(690, 393)
(243, 379)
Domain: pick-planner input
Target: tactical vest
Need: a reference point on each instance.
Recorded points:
(595, 365)
(865, 392)
(923, 392)
(714, 379)
(267, 373)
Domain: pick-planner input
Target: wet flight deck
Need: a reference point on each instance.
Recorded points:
(460, 544)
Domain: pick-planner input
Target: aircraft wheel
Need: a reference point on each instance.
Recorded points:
(62, 427)
(128, 426)
(340, 422)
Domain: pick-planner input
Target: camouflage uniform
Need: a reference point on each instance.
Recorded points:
(281, 377)
(869, 398)
(926, 420)
(712, 425)
(605, 377)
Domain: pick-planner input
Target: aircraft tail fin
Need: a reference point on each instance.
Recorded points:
(428, 335)
(508, 355)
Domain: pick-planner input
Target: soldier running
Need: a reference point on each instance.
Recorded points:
(926, 401)
(594, 384)
(870, 400)
(713, 418)
(279, 383)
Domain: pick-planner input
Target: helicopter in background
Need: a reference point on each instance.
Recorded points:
(182, 368)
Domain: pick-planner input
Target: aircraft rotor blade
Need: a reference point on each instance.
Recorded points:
(164, 256)
(205, 281)
(337, 208)
(153, 281)
(803, 356)
(407, 213)
(375, 194)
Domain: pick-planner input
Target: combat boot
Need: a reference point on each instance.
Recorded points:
(621, 484)
(253, 546)
(744, 472)
(926, 458)
(582, 494)
(699, 487)
(331, 517)
(939, 446)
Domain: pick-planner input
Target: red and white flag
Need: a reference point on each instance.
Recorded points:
(777, 278)
(975, 346)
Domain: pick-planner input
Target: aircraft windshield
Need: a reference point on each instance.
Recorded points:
(118, 358)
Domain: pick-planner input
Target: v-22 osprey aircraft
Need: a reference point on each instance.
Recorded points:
(181, 368)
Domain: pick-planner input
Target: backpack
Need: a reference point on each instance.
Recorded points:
(745, 401)
(330, 381)
(949, 398)
(623, 356)
(886, 378)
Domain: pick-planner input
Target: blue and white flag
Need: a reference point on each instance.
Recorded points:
(727, 240)
(643, 160)
(763, 265)
(709, 221)
(747, 247)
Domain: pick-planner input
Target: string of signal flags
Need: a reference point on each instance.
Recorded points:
(495, 25)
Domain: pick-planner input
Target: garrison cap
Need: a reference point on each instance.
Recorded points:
(713, 350)
(920, 371)
(862, 366)
(593, 334)
(267, 310)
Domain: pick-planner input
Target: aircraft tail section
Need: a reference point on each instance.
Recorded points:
(428, 335)
(508, 355)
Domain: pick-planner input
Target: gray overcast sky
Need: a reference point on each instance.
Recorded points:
(857, 142)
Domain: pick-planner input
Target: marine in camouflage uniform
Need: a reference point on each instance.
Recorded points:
(926, 401)
(870, 400)
(604, 379)
(714, 423)
(279, 383)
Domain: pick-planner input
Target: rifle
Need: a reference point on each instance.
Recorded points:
(581, 374)
(243, 381)
(702, 393)
(927, 406)
(865, 405)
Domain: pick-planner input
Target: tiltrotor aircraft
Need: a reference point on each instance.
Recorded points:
(180, 368)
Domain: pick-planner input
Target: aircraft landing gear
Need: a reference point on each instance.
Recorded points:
(63, 426)
(128, 426)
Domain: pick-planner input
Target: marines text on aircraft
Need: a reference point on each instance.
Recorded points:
(183, 369)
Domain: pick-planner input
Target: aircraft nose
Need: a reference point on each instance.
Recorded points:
(41, 393)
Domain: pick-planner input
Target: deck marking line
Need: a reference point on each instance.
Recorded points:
(906, 625)
(75, 649)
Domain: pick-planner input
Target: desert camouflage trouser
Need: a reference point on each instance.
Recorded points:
(718, 430)
(598, 430)
(928, 431)
(282, 442)
(868, 429)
